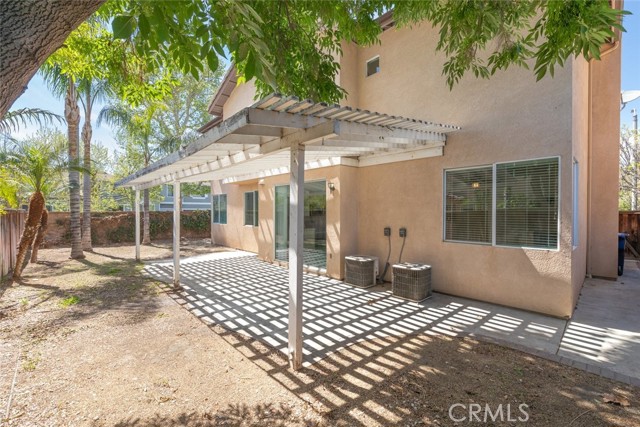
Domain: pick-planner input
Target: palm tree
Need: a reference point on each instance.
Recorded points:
(85, 59)
(136, 124)
(62, 84)
(34, 166)
(72, 114)
(90, 92)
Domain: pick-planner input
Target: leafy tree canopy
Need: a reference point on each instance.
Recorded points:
(91, 54)
(290, 46)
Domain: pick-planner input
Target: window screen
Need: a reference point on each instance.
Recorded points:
(251, 208)
(468, 205)
(527, 203)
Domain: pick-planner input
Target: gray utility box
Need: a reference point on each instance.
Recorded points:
(361, 270)
(411, 281)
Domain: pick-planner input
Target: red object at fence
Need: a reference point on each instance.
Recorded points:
(11, 226)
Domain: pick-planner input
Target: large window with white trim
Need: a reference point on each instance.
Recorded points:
(505, 204)
(251, 208)
(219, 208)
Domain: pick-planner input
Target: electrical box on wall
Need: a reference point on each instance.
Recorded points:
(403, 232)
(387, 231)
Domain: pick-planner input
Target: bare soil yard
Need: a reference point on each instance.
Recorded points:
(94, 343)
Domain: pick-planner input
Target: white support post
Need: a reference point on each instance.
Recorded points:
(176, 233)
(296, 224)
(137, 210)
(213, 242)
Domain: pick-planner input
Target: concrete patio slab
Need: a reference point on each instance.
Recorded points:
(605, 328)
(246, 295)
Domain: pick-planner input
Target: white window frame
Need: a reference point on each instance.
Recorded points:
(575, 222)
(494, 205)
(366, 66)
(256, 199)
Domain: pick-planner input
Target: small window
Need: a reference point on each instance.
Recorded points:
(169, 190)
(373, 66)
(251, 208)
(219, 208)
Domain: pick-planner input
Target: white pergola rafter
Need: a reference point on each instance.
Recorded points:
(279, 135)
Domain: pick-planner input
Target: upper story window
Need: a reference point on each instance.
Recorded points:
(169, 190)
(373, 66)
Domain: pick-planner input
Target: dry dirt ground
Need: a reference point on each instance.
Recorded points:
(93, 342)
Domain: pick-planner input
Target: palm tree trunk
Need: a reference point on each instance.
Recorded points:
(42, 231)
(87, 132)
(36, 206)
(146, 235)
(72, 114)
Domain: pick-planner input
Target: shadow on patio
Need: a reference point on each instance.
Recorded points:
(243, 294)
(397, 362)
(605, 328)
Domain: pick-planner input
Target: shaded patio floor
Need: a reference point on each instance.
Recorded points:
(243, 294)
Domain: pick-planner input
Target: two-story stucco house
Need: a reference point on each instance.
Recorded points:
(507, 187)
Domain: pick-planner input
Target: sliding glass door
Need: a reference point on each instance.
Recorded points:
(315, 224)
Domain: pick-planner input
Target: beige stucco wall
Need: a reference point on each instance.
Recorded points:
(510, 117)
(605, 137)
(234, 233)
(348, 75)
(507, 118)
(241, 97)
(580, 149)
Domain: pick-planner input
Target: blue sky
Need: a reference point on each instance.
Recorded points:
(630, 57)
(37, 94)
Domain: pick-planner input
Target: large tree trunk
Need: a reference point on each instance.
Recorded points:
(30, 31)
(72, 114)
(87, 132)
(146, 235)
(36, 206)
(42, 231)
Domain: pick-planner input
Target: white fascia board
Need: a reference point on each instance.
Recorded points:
(375, 131)
(380, 159)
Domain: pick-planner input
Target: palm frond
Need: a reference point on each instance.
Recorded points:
(100, 91)
(115, 116)
(13, 120)
(57, 82)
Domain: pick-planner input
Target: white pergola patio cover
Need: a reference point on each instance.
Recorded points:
(286, 135)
